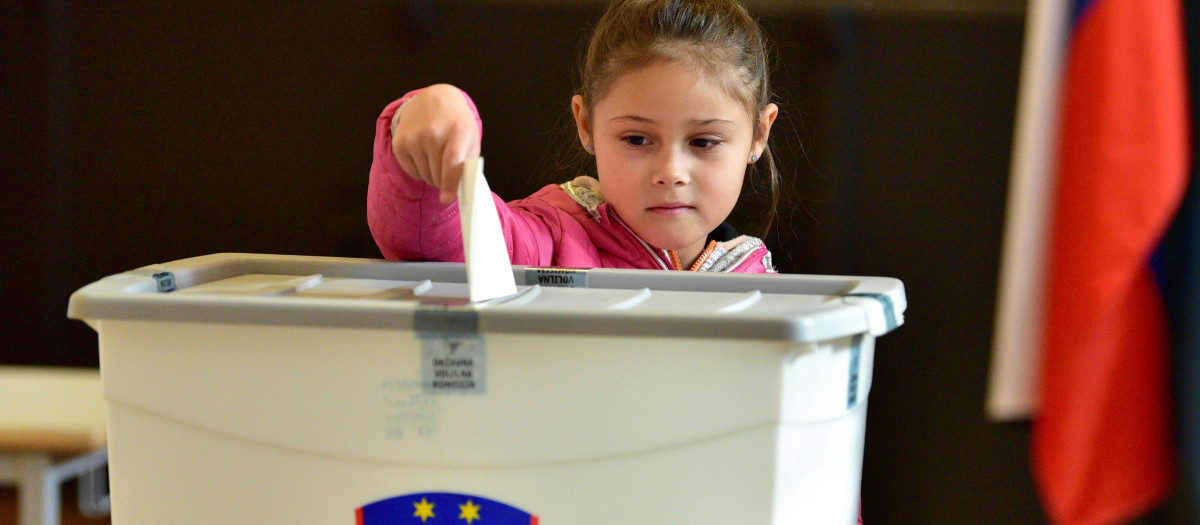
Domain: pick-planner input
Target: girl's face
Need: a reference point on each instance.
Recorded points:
(671, 153)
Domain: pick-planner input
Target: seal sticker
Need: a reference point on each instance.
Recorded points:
(453, 364)
(164, 282)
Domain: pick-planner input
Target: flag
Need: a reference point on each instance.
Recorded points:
(1102, 447)
(434, 508)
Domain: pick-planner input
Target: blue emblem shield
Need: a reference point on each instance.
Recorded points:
(442, 508)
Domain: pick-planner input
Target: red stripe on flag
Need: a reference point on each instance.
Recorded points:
(1101, 444)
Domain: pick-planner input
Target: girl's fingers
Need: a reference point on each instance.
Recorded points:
(410, 159)
(420, 167)
(460, 146)
(406, 163)
(433, 166)
(418, 157)
(451, 175)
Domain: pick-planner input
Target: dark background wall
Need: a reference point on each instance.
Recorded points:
(146, 132)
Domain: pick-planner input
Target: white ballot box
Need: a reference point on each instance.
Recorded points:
(277, 389)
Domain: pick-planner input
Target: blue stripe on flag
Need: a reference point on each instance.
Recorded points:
(1079, 6)
(1177, 265)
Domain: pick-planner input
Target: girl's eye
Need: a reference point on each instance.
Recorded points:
(636, 140)
(705, 143)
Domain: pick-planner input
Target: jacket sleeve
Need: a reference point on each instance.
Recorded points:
(408, 221)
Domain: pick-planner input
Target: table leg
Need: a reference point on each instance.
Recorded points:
(38, 492)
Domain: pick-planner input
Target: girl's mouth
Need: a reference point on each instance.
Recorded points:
(670, 208)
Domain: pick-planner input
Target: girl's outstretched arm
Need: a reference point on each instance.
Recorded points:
(407, 218)
(414, 217)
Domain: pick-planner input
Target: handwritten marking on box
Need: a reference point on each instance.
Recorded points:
(408, 411)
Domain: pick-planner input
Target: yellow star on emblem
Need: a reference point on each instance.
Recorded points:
(470, 512)
(424, 510)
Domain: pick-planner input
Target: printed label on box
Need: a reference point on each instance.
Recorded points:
(559, 277)
(453, 364)
(852, 383)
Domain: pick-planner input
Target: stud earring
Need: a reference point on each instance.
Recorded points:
(753, 158)
(589, 149)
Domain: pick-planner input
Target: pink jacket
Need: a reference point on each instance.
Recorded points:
(565, 225)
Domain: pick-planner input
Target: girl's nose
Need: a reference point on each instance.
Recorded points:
(671, 171)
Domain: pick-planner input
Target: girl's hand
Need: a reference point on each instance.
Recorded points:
(434, 135)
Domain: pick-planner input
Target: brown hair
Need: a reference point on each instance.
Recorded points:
(718, 37)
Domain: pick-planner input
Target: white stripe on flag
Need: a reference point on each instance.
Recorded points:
(1017, 339)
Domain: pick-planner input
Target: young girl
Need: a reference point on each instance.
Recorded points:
(675, 109)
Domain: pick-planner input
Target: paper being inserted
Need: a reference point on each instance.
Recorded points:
(489, 270)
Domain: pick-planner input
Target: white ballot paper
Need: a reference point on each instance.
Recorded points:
(489, 270)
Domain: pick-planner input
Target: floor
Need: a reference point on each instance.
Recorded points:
(70, 514)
